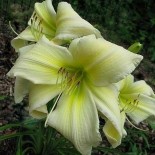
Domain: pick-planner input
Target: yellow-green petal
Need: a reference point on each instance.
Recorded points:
(39, 113)
(22, 39)
(21, 89)
(70, 25)
(75, 117)
(128, 86)
(42, 63)
(39, 96)
(46, 11)
(106, 102)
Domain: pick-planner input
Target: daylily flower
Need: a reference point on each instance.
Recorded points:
(136, 99)
(61, 27)
(42, 22)
(78, 76)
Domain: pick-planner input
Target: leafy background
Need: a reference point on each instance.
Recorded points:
(121, 22)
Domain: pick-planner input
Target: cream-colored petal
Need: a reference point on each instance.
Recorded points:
(124, 84)
(21, 89)
(47, 17)
(22, 39)
(131, 87)
(123, 119)
(70, 25)
(51, 9)
(75, 117)
(25, 49)
(112, 134)
(106, 103)
(39, 96)
(39, 113)
(42, 63)
(139, 87)
(103, 62)
(46, 12)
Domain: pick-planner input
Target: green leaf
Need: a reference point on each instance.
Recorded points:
(27, 149)
(19, 147)
(3, 137)
(8, 126)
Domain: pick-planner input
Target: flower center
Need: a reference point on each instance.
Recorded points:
(128, 105)
(70, 79)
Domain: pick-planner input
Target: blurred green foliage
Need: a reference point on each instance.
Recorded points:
(122, 22)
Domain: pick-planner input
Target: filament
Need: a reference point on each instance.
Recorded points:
(134, 125)
(130, 105)
(36, 22)
(52, 108)
(12, 28)
(69, 80)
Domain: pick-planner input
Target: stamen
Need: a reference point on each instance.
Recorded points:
(53, 108)
(130, 106)
(59, 71)
(12, 28)
(36, 23)
(69, 80)
(134, 125)
(74, 81)
(34, 14)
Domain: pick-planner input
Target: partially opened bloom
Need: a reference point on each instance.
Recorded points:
(136, 99)
(42, 22)
(78, 75)
(61, 27)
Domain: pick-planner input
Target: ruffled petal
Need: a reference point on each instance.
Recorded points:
(76, 118)
(42, 63)
(70, 25)
(21, 89)
(106, 102)
(103, 62)
(39, 96)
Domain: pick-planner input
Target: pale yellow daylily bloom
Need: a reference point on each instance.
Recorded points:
(78, 75)
(42, 22)
(61, 27)
(136, 99)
